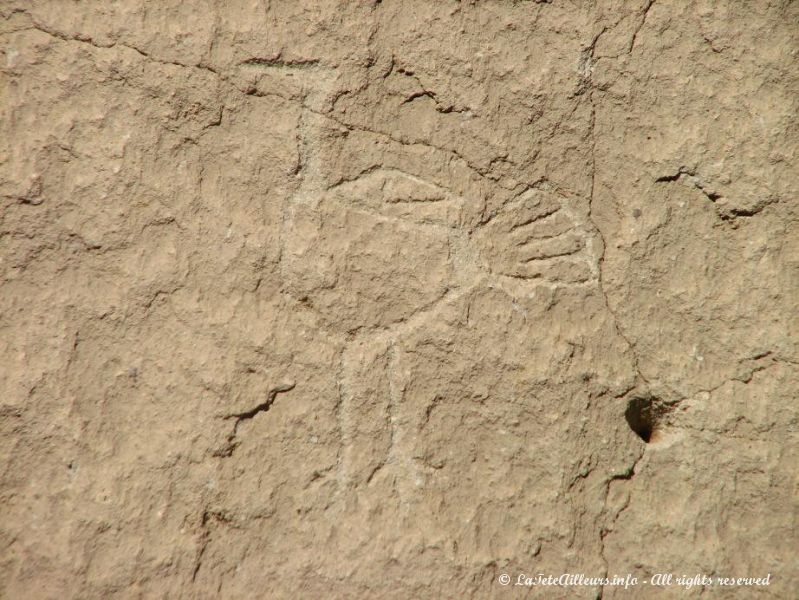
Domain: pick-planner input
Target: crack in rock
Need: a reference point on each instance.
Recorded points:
(232, 442)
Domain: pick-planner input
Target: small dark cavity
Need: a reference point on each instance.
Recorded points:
(636, 212)
(643, 415)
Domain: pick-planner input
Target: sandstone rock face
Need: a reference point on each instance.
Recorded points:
(387, 299)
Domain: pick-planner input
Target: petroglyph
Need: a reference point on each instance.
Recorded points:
(393, 299)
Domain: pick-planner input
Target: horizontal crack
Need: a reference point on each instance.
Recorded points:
(263, 407)
(693, 179)
(277, 62)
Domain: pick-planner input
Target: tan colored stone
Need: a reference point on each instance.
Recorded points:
(386, 299)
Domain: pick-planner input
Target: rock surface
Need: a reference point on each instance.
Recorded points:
(332, 299)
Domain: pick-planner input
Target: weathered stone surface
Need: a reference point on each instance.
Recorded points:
(385, 299)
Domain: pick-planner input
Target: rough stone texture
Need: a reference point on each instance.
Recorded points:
(305, 299)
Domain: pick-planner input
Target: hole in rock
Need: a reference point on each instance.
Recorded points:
(643, 416)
